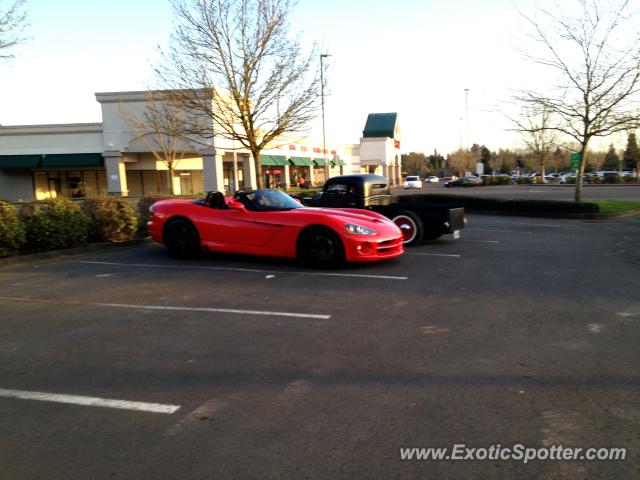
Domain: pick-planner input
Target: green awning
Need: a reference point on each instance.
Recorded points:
(319, 162)
(380, 125)
(301, 161)
(72, 160)
(341, 163)
(273, 160)
(19, 161)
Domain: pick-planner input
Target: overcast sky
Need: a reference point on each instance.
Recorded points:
(414, 57)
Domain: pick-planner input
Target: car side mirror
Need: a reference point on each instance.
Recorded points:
(237, 206)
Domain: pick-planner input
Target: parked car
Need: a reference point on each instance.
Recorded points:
(567, 177)
(431, 179)
(271, 223)
(464, 182)
(552, 178)
(412, 182)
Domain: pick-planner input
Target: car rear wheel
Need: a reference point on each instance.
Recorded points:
(320, 248)
(182, 240)
(411, 227)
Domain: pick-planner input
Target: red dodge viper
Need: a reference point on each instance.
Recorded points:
(271, 223)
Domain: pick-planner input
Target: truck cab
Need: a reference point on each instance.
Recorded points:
(354, 191)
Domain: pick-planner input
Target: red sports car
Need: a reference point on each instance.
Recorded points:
(271, 223)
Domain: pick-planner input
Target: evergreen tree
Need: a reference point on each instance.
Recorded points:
(485, 158)
(611, 159)
(436, 162)
(631, 156)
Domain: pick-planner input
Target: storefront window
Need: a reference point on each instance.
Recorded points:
(73, 184)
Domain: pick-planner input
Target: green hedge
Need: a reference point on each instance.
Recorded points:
(11, 230)
(497, 204)
(144, 215)
(496, 180)
(113, 219)
(54, 224)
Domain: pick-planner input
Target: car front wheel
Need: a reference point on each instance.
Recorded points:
(320, 248)
(182, 240)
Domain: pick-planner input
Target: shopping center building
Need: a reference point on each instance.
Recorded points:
(108, 158)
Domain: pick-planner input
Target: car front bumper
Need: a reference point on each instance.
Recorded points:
(359, 248)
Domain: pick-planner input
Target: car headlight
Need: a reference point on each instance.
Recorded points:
(359, 229)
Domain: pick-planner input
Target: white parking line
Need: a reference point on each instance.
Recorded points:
(247, 270)
(164, 307)
(90, 401)
(434, 254)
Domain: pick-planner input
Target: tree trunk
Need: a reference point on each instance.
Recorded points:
(170, 167)
(259, 176)
(580, 176)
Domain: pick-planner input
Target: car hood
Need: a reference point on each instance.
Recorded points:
(348, 216)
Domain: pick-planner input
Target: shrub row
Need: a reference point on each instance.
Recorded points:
(496, 180)
(497, 204)
(143, 211)
(61, 223)
(11, 230)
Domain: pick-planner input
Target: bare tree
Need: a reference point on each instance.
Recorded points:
(261, 85)
(463, 161)
(594, 53)
(12, 22)
(161, 128)
(538, 135)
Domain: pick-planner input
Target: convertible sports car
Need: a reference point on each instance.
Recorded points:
(271, 223)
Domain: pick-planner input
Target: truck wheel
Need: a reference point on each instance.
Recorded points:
(411, 227)
(320, 248)
(181, 239)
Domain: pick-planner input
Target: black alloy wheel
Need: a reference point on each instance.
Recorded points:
(320, 248)
(182, 240)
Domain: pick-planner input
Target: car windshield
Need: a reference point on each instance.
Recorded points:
(412, 179)
(269, 200)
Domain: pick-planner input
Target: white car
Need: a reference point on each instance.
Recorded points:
(412, 182)
(431, 179)
(566, 178)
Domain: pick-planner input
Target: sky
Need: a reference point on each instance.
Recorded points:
(413, 57)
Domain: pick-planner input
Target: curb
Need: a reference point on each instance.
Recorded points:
(70, 252)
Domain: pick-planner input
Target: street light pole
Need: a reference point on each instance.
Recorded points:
(324, 137)
(466, 101)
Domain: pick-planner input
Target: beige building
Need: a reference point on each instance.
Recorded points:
(78, 160)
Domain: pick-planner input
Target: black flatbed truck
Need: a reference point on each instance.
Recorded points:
(418, 221)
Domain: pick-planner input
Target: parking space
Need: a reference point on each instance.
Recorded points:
(522, 331)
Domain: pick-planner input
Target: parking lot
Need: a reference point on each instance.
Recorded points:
(128, 364)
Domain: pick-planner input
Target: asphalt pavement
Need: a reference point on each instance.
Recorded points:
(128, 364)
